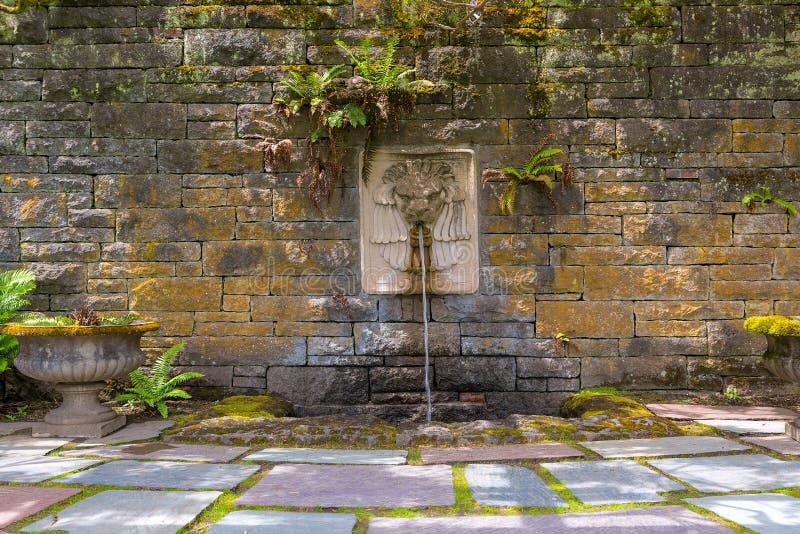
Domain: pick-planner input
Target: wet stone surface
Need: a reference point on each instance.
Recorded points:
(672, 446)
(258, 522)
(165, 451)
(333, 486)
(508, 485)
(28, 446)
(767, 512)
(176, 475)
(131, 432)
(128, 512)
(732, 473)
(661, 520)
(612, 482)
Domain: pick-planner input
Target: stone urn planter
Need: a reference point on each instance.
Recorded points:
(782, 358)
(78, 359)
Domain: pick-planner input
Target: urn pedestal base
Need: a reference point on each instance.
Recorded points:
(793, 429)
(80, 415)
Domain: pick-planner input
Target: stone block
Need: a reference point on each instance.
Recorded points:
(25, 28)
(93, 85)
(164, 121)
(476, 373)
(394, 379)
(724, 82)
(736, 24)
(459, 308)
(406, 339)
(12, 137)
(548, 367)
(213, 93)
(516, 249)
(176, 294)
(731, 109)
(792, 150)
(677, 230)
(149, 252)
(138, 191)
(638, 107)
(320, 385)
(668, 135)
(646, 283)
(728, 338)
(654, 372)
(571, 132)
(299, 16)
(261, 350)
(493, 64)
(644, 255)
(103, 165)
(330, 346)
(31, 210)
(787, 263)
(286, 258)
(245, 47)
(175, 224)
(213, 157)
(584, 319)
(502, 403)
(9, 244)
(99, 56)
(507, 346)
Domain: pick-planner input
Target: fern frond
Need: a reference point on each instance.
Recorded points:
(139, 379)
(177, 394)
(161, 406)
(546, 153)
(159, 371)
(181, 378)
(368, 157)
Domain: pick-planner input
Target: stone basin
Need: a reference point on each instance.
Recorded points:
(79, 359)
(782, 360)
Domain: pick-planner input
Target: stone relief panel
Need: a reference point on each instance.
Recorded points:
(414, 194)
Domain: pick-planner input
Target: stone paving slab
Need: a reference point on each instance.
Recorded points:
(742, 426)
(177, 475)
(130, 432)
(18, 502)
(771, 513)
(28, 446)
(612, 481)
(676, 446)
(257, 522)
(164, 451)
(37, 468)
(129, 512)
(16, 426)
(657, 520)
(731, 473)
(701, 411)
(498, 453)
(509, 485)
(781, 444)
(329, 456)
(333, 486)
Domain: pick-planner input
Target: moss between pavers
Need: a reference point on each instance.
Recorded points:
(774, 325)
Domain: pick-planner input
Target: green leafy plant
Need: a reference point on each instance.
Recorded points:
(764, 196)
(23, 5)
(562, 343)
(732, 394)
(154, 389)
(77, 318)
(14, 285)
(21, 411)
(371, 99)
(540, 169)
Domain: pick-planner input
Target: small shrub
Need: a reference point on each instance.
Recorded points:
(764, 196)
(153, 390)
(775, 325)
(14, 285)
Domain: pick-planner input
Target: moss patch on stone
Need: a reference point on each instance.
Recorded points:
(590, 403)
(774, 325)
(246, 407)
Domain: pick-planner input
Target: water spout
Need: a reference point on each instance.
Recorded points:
(425, 320)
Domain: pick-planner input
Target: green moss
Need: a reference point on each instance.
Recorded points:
(774, 325)
(540, 100)
(589, 403)
(237, 406)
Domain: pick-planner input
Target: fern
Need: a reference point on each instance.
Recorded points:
(14, 285)
(153, 390)
(538, 169)
(764, 196)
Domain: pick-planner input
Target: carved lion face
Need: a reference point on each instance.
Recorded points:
(420, 197)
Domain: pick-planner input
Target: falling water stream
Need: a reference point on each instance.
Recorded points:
(425, 319)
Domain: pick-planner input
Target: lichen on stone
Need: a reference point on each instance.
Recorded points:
(774, 325)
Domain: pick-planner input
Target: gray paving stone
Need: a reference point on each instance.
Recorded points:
(782, 444)
(631, 448)
(509, 485)
(771, 513)
(746, 426)
(28, 446)
(333, 486)
(612, 481)
(10, 428)
(700, 411)
(731, 473)
(164, 451)
(131, 432)
(498, 453)
(329, 456)
(257, 522)
(660, 520)
(37, 468)
(134, 512)
(18, 502)
(178, 475)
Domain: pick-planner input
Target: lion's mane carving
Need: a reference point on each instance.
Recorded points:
(420, 191)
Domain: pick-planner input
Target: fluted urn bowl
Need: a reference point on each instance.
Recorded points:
(79, 359)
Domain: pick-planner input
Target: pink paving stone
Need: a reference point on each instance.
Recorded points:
(782, 444)
(700, 411)
(18, 502)
(499, 453)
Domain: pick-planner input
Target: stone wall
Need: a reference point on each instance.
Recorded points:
(129, 180)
